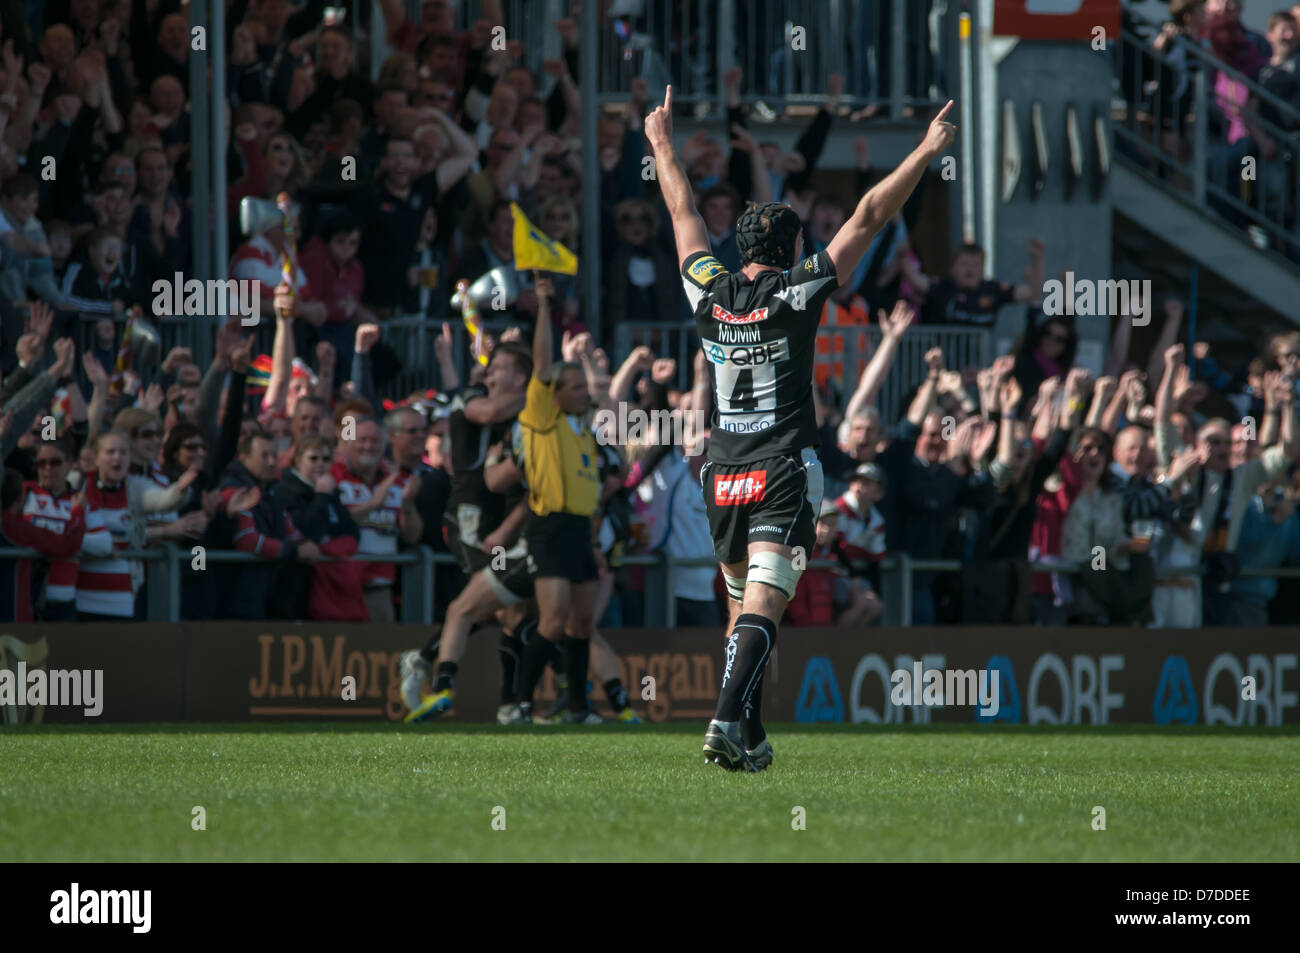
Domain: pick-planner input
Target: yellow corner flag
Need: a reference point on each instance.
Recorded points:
(534, 250)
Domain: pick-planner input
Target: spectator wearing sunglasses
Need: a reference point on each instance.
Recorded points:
(641, 278)
(311, 498)
(49, 505)
(146, 434)
(186, 447)
(1046, 350)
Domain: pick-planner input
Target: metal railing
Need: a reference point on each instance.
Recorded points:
(897, 580)
(1173, 130)
(892, 53)
(164, 571)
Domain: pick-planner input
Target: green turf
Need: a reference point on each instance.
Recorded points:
(351, 793)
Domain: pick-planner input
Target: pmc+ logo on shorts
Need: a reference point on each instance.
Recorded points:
(736, 488)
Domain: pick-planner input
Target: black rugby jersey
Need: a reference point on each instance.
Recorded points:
(759, 337)
(469, 449)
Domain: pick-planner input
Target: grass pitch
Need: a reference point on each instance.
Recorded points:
(386, 793)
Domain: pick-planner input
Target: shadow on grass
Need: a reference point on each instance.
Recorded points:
(676, 728)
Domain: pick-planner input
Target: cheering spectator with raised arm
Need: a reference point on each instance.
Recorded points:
(262, 527)
(923, 494)
(966, 297)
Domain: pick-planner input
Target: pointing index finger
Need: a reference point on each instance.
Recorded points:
(668, 99)
(943, 113)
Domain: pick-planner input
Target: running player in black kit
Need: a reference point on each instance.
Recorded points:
(763, 482)
(477, 521)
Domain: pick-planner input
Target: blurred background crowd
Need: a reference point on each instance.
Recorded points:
(1034, 487)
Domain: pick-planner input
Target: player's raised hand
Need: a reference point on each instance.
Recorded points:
(941, 132)
(659, 124)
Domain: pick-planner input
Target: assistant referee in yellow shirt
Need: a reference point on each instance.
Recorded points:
(561, 466)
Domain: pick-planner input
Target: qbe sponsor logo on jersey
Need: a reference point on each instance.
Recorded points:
(748, 355)
(736, 488)
(726, 317)
(744, 382)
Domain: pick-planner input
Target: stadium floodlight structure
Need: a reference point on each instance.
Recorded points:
(589, 48)
(208, 157)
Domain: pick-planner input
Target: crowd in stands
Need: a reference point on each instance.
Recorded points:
(1149, 489)
(1241, 122)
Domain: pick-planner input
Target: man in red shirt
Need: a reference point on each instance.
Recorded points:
(55, 545)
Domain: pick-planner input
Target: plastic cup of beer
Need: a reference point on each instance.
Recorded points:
(1143, 530)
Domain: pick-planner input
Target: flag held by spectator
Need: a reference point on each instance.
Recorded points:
(534, 249)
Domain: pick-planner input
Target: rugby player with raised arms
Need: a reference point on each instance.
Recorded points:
(763, 482)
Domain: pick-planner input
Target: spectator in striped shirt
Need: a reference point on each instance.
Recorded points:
(16, 574)
(146, 433)
(380, 499)
(49, 505)
(106, 581)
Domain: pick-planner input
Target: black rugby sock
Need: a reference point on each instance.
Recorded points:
(511, 650)
(536, 654)
(446, 676)
(616, 694)
(577, 655)
(747, 651)
(751, 725)
(430, 652)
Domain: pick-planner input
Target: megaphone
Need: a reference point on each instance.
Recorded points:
(498, 285)
(258, 215)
